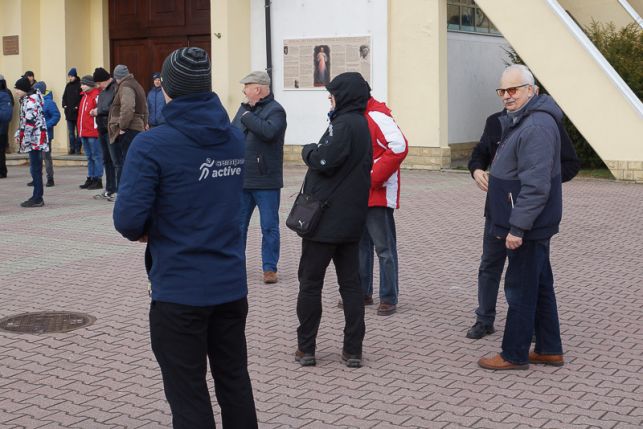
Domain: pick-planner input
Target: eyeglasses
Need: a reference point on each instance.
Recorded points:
(511, 91)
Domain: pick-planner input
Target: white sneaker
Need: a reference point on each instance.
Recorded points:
(111, 197)
(103, 196)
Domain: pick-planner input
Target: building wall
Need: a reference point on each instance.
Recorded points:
(603, 11)
(475, 63)
(307, 109)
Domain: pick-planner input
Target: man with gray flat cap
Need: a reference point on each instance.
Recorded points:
(263, 122)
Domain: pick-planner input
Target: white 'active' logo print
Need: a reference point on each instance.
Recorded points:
(222, 168)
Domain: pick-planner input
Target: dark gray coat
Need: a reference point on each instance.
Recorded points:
(103, 103)
(525, 196)
(264, 127)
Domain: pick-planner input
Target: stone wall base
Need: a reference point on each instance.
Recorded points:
(626, 170)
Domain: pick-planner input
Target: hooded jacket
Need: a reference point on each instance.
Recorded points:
(181, 187)
(525, 193)
(485, 150)
(87, 123)
(339, 165)
(32, 130)
(264, 127)
(6, 112)
(155, 105)
(389, 150)
(52, 113)
(71, 99)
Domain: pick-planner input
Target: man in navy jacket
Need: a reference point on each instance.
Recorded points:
(494, 252)
(524, 209)
(180, 192)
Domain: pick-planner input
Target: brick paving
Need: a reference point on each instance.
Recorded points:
(420, 371)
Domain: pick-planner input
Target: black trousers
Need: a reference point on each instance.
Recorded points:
(315, 258)
(4, 143)
(183, 339)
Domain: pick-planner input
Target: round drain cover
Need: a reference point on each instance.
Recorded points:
(45, 322)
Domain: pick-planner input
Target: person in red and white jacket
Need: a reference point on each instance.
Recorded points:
(88, 133)
(390, 147)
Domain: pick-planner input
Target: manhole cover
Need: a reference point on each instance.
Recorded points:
(45, 322)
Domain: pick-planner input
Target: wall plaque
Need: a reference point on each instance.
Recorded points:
(10, 45)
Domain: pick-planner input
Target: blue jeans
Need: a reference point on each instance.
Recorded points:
(379, 232)
(35, 168)
(267, 200)
(529, 289)
(110, 173)
(94, 155)
(74, 140)
(492, 263)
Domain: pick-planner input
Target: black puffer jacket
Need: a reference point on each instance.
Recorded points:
(71, 99)
(342, 162)
(264, 127)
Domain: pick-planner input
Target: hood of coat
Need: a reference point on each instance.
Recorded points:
(377, 106)
(539, 103)
(351, 93)
(201, 115)
(48, 95)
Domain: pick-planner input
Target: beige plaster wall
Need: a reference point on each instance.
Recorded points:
(230, 26)
(418, 70)
(603, 11)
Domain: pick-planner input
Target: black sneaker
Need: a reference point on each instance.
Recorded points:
(33, 203)
(30, 183)
(305, 359)
(87, 183)
(352, 361)
(96, 184)
(479, 330)
(50, 183)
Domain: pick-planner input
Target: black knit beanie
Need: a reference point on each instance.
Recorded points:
(23, 84)
(100, 75)
(186, 71)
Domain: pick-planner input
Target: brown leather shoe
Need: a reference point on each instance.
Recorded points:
(270, 277)
(499, 364)
(553, 360)
(385, 309)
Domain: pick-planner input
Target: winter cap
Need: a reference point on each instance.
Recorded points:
(72, 72)
(186, 71)
(40, 86)
(100, 75)
(120, 71)
(28, 73)
(260, 77)
(88, 80)
(156, 75)
(23, 84)
(1, 77)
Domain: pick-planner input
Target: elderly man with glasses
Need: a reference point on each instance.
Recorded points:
(524, 209)
(494, 252)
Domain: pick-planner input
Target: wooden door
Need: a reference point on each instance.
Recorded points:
(144, 32)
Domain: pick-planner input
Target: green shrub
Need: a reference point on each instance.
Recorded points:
(623, 49)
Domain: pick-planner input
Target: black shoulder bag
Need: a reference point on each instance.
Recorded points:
(307, 211)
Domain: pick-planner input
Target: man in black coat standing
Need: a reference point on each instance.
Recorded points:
(339, 169)
(494, 252)
(71, 101)
(263, 122)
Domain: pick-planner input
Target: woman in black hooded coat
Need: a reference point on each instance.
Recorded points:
(339, 168)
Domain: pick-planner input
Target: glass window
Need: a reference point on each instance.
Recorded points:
(453, 17)
(466, 15)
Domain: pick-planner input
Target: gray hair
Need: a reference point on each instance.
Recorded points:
(523, 70)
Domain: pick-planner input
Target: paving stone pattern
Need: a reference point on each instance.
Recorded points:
(420, 371)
